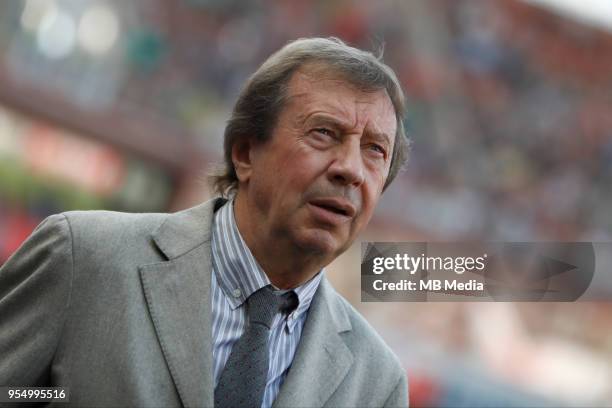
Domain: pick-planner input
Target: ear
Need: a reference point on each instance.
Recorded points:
(241, 157)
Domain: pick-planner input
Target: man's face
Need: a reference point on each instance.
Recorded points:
(315, 183)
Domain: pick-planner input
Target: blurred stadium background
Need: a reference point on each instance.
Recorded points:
(121, 105)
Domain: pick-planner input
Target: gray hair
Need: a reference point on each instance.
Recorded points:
(265, 93)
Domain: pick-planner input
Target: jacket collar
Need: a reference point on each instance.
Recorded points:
(183, 231)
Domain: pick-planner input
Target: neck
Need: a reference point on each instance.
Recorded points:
(285, 265)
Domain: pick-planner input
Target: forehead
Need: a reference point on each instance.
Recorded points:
(311, 92)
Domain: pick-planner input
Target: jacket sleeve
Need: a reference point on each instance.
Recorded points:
(35, 289)
(399, 395)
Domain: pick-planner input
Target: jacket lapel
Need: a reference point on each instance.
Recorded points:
(322, 359)
(178, 298)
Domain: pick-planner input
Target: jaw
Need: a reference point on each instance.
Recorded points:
(323, 240)
(320, 243)
(317, 241)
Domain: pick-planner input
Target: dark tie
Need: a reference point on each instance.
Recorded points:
(243, 379)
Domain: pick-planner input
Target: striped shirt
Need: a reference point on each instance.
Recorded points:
(236, 276)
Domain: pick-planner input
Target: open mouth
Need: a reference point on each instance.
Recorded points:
(337, 206)
(333, 209)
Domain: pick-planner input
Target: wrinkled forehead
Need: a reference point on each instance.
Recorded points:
(319, 88)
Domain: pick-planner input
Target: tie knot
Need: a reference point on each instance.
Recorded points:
(264, 304)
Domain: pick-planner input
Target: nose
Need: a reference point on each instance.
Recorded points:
(347, 167)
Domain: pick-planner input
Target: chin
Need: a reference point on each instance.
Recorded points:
(319, 242)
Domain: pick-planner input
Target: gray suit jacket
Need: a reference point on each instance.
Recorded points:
(117, 308)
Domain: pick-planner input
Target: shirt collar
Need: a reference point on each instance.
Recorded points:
(305, 293)
(237, 271)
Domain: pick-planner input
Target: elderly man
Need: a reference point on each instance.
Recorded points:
(226, 304)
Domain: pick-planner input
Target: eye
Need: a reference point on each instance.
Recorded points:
(325, 131)
(378, 149)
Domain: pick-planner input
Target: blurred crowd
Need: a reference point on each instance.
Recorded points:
(508, 104)
(511, 125)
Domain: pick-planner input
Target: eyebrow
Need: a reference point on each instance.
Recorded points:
(339, 124)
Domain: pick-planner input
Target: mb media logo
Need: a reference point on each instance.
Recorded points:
(521, 271)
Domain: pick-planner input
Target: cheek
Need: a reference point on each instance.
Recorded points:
(370, 194)
(375, 182)
(260, 193)
(301, 167)
(282, 181)
(366, 214)
(377, 176)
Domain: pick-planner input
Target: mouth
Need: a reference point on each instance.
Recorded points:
(336, 206)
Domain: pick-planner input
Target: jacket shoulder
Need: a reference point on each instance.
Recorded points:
(108, 237)
(113, 221)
